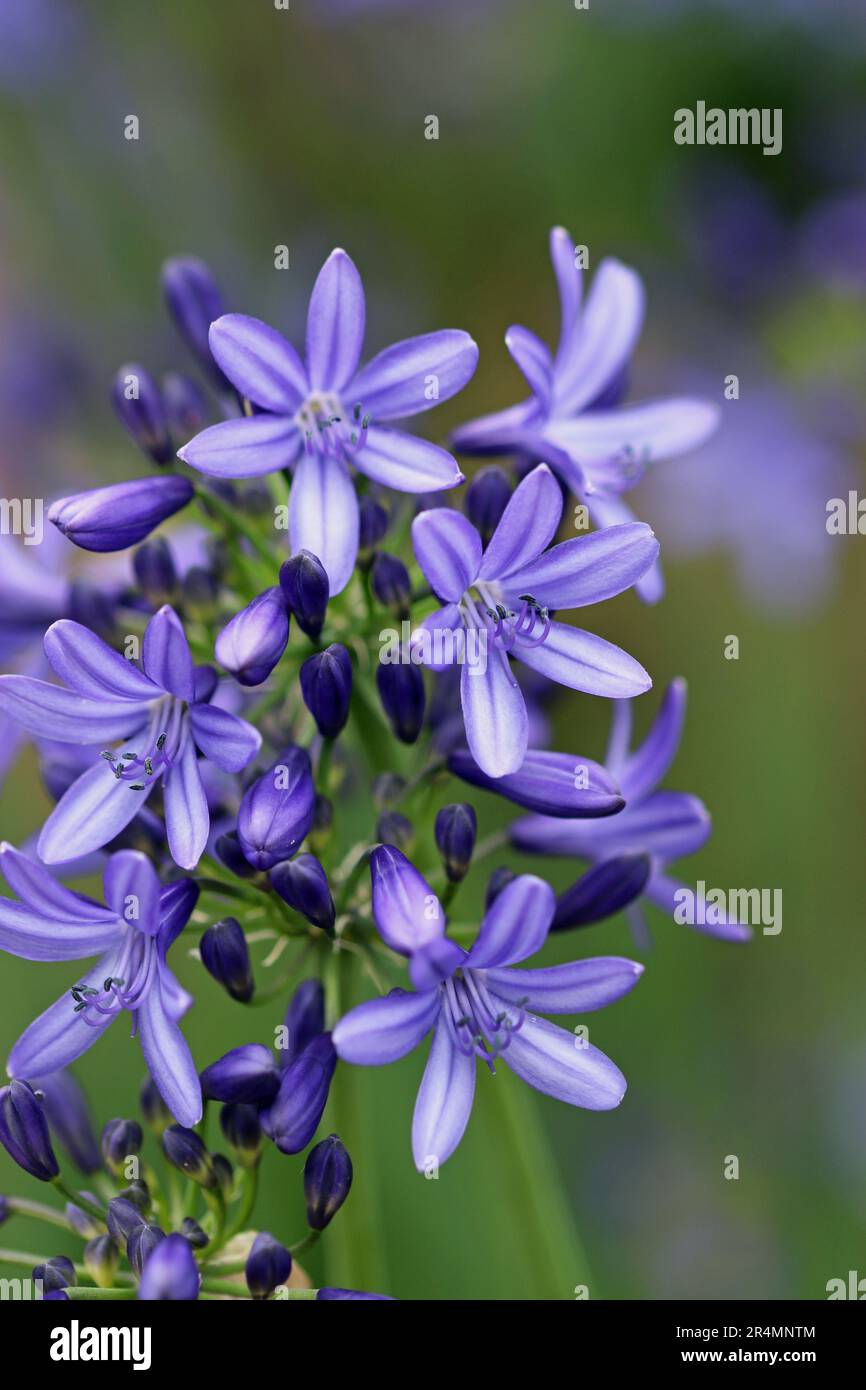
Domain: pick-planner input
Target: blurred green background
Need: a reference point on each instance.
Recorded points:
(261, 127)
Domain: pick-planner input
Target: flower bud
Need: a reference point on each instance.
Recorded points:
(390, 582)
(141, 1244)
(327, 1179)
(304, 583)
(101, 1258)
(228, 852)
(120, 515)
(154, 1109)
(602, 891)
(185, 406)
(56, 1273)
(225, 1175)
(121, 1139)
(268, 1264)
(138, 1193)
(81, 1221)
(24, 1131)
(184, 1149)
(401, 691)
(246, 1073)
(293, 1118)
(394, 829)
(385, 788)
(153, 564)
(194, 301)
(305, 1019)
(372, 526)
(139, 406)
(170, 1271)
(276, 812)
(123, 1218)
(303, 884)
(241, 1127)
(68, 1115)
(487, 496)
(193, 1233)
(327, 1295)
(251, 644)
(499, 879)
(225, 955)
(326, 685)
(456, 828)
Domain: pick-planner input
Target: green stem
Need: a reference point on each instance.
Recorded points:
(308, 1241)
(250, 1182)
(79, 1200)
(80, 1294)
(22, 1206)
(237, 523)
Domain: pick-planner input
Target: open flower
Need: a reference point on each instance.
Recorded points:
(502, 597)
(573, 419)
(478, 1007)
(131, 935)
(323, 414)
(161, 714)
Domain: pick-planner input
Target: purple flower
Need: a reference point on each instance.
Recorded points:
(499, 599)
(477, 1007)
(573, 419)
(161, 714)
(68, 1116)
(277, 811)
(170, 1272)
(322, 414)
(662, 824)
(24, 1131)
(293, 1117)
(131, 935)
(555, 784)
(252, 642)
(120, 515)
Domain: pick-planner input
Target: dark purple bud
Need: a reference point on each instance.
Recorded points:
(294, 1117)
(24, 1131)
(241, 1127)
(184, 1150)
(199, 593)
(304, 583)
(170, 1272)
(486, 499)
(68, 1116)
(499, 879)
(193, 1233)
(372, 526)
(251, 644)
(225, 955)
(390, 582)
(385, 788)
(276, 812)
(141, 1244)
(401, 690)
(326, 685)
(246, 1073)
(81, 1221)
(229, 852)
(123, 1218)
(394, 829)
(115, 517)
(456, 828)
(154, 568)
(101, 1258)
(303, 884)
(156, 1113)
(138, 1193)
(121, 1140)
(56, 1273)
(185, 406)
(268, 1264)
(602, 891)
(327, 1179)
(140, 408)
(194, 301)
(305, 1020)
(350, 1296)
(225, 1175)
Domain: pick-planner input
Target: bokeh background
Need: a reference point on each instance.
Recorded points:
(305, 127)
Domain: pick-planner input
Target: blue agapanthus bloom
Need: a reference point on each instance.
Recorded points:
(502, 597)
(161, 714)
(322, 414)
(478, 1006)
(131, 935)
(574, 420)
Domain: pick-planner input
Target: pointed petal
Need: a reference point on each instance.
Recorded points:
(38, 889)
(95, 808)
(494, 712)
(534, 360)
(323, 516)
(434, 640)
(516, 925)
(335, 324)
(60, 1035)
(244, 448)
(90, 667)
(612, 511)
(499, 432)
(562, 1065)
(589, 568)
(187, 819)
(662, 891)
(567, 989)
(72, 718)
(604, 339)
(556, 784)
(383, 1030)
(527, 525)
(166, 654)
(604, 890)
(666, 825)
(406, 911)
(398, 382)
(226, 740)
(168, 1057)
(583, 661)
(444, 1101)
(569, 281)
(36, 935)
(448, 549)
(405, 462)
(654, 430)
(132, 889)
(648, 765)
(176, 902)
(259, 362)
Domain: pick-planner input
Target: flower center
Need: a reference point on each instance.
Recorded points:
(476, 1021)
(483, 606)
(122, 990)
(160, 746)
(329, 430)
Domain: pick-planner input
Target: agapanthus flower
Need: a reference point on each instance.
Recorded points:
(162, 715)
(574, 420)
(131, 934)
(665, 825)
(501, 597)
(477, 1006)
(322, 415)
